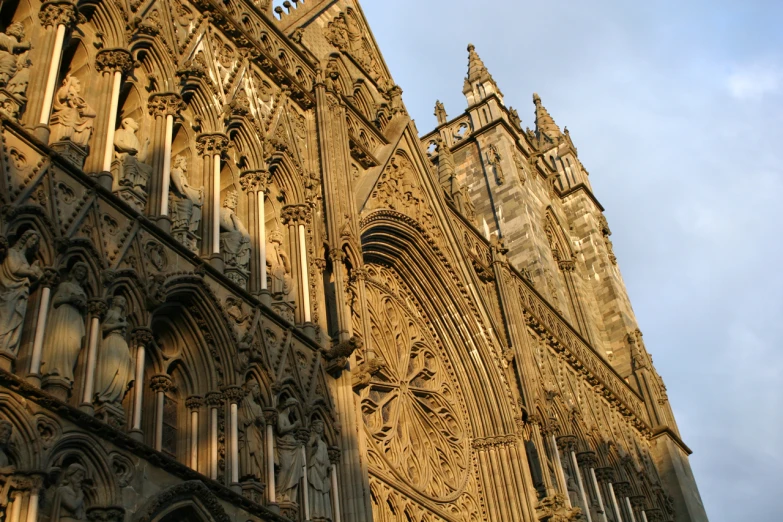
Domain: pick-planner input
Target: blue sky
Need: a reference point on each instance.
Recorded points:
(677, 111)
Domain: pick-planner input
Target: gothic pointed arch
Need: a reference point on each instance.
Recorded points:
(190, 500)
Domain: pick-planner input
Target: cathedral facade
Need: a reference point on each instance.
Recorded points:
(237, 284)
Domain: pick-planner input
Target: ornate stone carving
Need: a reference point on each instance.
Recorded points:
(129, 167)
(440, 113)
(318, 460)
(108, 514)
(251, 433)
(68, 503)
(254, 181)
(165, 104)
(65, 328)
(114, 60)
(211, 144)
(115, 365)
(295, 214)
(234, 242)
(14, 69)
(57, 13)
(278, 266)
(72, 117)
(185, 204)
(553, 509)
(494, 161)
(16, 276)
(289, 452)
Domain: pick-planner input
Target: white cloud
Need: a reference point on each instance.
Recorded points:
(753, 81)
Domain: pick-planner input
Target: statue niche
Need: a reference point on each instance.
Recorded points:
(115, 365)
(185, 204)
(289, 454)
(65, 333)
(16, 276)
(68, 503)
(72, 121)
(318, 474)
(278, 266)
(234, 242)
(251, 435)
(14, 70)
(129, 168)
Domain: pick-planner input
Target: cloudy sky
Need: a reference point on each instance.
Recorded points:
(677, 111)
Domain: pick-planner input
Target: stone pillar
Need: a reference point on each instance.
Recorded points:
(113, 64)
(211, 147)
(563, 486)
(194, 404)
(540, 444)
(605, 477)
(164, 108)
(334, 458)
(303, 435)
(214, 400)
(638, 503)
(14, 510)
(599, 495)
(254, 184)
(270, 416)
(97, 309)
(31, 483)
(622, 490)
(61, 17)
(47, 282)
(234, 395)
(160, 384)
(141, 338)
(579, 481)
(297, 217)
(615, 504)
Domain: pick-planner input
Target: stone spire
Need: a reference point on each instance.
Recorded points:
(479, 84)
(544, 123)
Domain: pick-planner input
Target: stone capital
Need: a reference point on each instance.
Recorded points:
(604, 474)
(295, 214)
(106, 514)
(622, 489)
(566, 443)
(254, 180)
(165, 104)
(211, 144)
(50, 278)
(586, 459)
(270, 416)
(97, 307)
(114, 60)
(194, 402)
(214, 399)
(161, 382)
(233, 394)
(334, 454)
(142, 336)
(638, 502)
(57, 13)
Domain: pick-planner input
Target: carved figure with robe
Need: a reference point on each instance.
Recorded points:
(251, 433)
(131, 156)
(65, 326)
(16, 276)
(289, 452)
(73, 118)
(115, 364)
(11, 44)
(234, 237)
(186, 200)
(6, 466)
(318, 473)
(278, 266)
(68, 502)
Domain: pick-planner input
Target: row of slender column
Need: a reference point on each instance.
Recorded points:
(26, 491)
(297, 217)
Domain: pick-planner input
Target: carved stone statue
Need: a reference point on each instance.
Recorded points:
(131, 157)
(11, 44)
(6, 466)
(234, 237)
(318, 473)
(72, 119)
(68, 502)
(115, 366)
(65, 326)
(289, 453)
(187, 201)
(279, 266)
(16, 275)
(493, 158)
(251, 437)
(440, 113)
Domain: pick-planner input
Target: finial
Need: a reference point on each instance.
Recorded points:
(471, 47)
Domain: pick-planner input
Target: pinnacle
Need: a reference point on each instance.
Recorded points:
(544, 122)
(477, 71)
